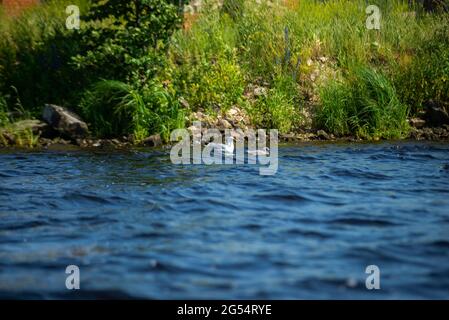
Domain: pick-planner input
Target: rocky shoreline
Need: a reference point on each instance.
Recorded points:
(424, 134)
(61, 127)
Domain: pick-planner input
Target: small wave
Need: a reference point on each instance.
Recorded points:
(307, 233)
(363, 222)
(5, 175)
(444, 244)
(357, 173)
(72, 196)
(26, 225)
(283, 197)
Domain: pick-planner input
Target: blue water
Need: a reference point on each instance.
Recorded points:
(139, 227)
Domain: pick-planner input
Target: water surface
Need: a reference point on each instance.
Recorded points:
(140, 227)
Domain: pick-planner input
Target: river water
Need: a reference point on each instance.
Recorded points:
(138, 226)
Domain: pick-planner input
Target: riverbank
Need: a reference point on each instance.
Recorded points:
(8, 141)
(313, 70)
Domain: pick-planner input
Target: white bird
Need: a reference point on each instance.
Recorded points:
(265, 151)
(227, 148)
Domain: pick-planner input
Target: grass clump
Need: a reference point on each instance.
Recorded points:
(115, 108)
(278, 108)
(422, 74)
(12, 135)
(4, 119)
(366, 105)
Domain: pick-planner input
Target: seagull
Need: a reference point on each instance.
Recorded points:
(265, 151)
(227, 148)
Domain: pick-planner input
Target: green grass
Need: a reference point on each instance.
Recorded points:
(4, 119)
(365, 105)
(114, 108)
(278, 108)
(374, 73)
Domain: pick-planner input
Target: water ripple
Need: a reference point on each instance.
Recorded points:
(140, 227)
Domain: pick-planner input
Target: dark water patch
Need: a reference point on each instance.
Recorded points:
(290, 197)
(359, 174)
(363, 222)
(151, 235)
(307, 233)
(21, 226)
(86, 198)
(443, 244)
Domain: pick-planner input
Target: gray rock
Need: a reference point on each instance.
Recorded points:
(321, 134)
(6, 138)
(153, 141)
(184, 103)
(223, 124)
(417, 123)
(65, 122)
(288, 137)
(260, 91)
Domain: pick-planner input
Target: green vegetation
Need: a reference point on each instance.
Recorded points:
(366, 105)
(35, 53)
(423, 74)
(115, 108)
(3, 112)
(107, 71)
(314, 63)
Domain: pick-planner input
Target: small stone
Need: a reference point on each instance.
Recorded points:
(194, 130)
(223, 124)
(322, 135)
(65, 122)
(82, 143)
(323, 59)
(289, 137)
(184, 102)
(417, 122)
(45, 142)
(260, 91)
(153, 141)
(96, 144)
(232, 112)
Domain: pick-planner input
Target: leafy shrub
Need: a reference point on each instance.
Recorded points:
(217, 84)
(35, 54)
(126, 40)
